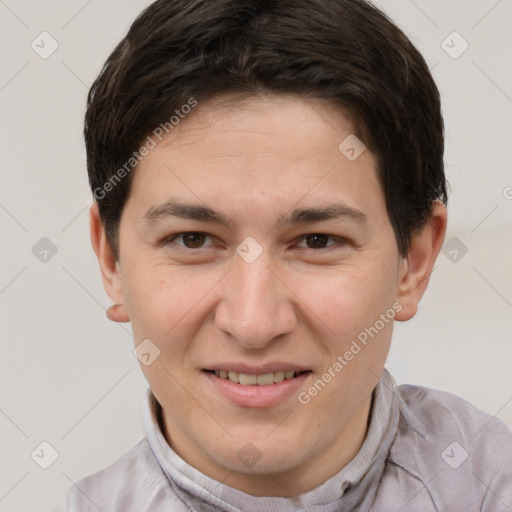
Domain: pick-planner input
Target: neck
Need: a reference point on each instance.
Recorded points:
(309, 475)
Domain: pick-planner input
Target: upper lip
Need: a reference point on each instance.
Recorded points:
(261, 369)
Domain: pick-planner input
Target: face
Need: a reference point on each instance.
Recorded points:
(251, 244)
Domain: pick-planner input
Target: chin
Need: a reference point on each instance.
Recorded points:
(263, 467)
(259, 456)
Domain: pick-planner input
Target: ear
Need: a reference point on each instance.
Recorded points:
(110, 272)
(416, 268)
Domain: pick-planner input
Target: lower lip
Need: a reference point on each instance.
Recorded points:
(257, 396)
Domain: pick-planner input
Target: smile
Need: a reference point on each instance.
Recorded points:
(263, 387)
(265, 379)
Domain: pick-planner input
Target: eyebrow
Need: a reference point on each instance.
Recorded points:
(205, 214)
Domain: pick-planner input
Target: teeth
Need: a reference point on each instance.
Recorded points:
(278, 376)
(265, 380)
(247, 380)
(252, 380)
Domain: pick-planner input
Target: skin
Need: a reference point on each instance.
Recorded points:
(203, 304)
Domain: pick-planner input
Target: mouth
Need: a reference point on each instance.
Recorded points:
(264, 379)
(249, 387)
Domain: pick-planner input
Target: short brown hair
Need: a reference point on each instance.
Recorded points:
(344, 51)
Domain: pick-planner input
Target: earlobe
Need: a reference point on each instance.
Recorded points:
(109, 267)
(416, 269)
(117, 313)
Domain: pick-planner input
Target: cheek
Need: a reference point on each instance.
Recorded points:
(348, 299)
(153, 299)
(164, 302)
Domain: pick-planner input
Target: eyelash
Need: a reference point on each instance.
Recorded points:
(170, 239)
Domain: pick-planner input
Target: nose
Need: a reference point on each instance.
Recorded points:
(256, 305)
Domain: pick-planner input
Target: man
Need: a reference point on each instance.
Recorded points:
(270, 198)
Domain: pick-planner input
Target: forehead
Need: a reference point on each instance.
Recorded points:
(286, 126)
(259, 152)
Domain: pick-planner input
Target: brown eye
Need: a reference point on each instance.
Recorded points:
(321, 243)
(317, 240)
(189, 240)
(193, 240)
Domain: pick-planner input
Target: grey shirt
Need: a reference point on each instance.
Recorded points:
(425, 450)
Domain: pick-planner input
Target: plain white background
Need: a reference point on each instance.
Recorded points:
(68, 376)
